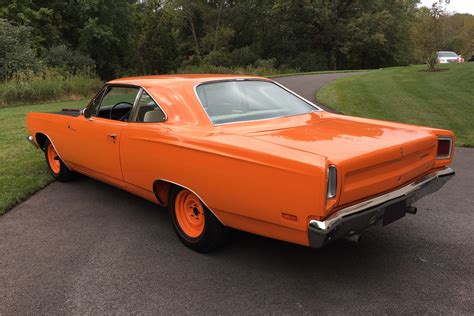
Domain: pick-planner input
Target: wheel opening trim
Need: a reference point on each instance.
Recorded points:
(194, 192)
(55, 148)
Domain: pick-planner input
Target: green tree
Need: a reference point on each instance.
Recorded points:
(429, 34)
(157, 48)
(16, 52)
(39, 18)
(69, 60)
(459, 30)
(106, 33)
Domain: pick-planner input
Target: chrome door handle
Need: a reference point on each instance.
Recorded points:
(113, 137)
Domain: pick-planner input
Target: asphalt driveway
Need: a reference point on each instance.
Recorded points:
(86, 247)
(307, 85)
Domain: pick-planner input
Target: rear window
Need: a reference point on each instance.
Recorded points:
(248, 100)
(448, 54)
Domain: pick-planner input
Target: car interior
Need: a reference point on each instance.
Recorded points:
(117, 104)
(119, 111)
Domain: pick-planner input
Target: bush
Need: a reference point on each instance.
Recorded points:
(259, 70)
(16, 53)
(244, 56)
(306, 61)
(431, 61)
(205, 69)
(218, 58)
(266, 63)
(70, 60)
(48, 86)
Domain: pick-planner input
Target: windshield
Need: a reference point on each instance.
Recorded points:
(247, 100)
(448, 54)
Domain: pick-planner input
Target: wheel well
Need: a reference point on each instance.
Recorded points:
(41, 139)
(161, 188)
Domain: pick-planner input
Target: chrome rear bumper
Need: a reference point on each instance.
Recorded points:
(355, 218)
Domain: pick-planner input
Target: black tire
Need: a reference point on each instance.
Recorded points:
(64, 174)
(214, 234)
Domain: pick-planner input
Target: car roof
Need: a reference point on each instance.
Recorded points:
(176, 96)
(193, 79)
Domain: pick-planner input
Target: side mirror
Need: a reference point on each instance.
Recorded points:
(87, 113)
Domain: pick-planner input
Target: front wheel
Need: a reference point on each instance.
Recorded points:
(56, 166)
(194, 223)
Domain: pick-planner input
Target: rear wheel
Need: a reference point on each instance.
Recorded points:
(56, 166)
(193, 223)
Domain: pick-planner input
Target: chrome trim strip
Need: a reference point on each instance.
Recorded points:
(297, 95)
(98, 94)
(318, 230)
(137, 97)
(65, 163)
(185, 187)
(450, 147)
(317, 108)
(134, 111)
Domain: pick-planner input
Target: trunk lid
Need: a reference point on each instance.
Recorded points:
(371, 157)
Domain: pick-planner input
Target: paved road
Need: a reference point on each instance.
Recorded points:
(307, 85)
(85, 247)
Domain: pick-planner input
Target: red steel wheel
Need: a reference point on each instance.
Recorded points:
(57, 167)
(189, 213)
(53, 159)
(194, 224)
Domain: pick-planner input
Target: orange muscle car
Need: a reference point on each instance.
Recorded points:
(244, 152)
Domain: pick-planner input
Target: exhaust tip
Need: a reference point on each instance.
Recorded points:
(412, 210)
(354, 238)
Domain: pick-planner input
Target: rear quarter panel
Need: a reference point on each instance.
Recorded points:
(248, 184)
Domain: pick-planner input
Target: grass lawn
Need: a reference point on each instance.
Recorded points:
(322, 72)
(22, 167)
(443, 99)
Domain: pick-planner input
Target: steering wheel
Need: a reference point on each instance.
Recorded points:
(125, 115)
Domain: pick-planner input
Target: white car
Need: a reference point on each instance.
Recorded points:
(445, 57)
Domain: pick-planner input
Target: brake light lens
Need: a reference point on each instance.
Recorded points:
(444, 148)
(332, 182)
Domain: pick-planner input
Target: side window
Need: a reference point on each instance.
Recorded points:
(96, 100)
(117, 103)
(148, 111)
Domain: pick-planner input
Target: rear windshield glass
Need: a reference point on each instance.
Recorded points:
(448, 54)
(247, 100)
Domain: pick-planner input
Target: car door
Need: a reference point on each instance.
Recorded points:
(144, 143)
(97, 139)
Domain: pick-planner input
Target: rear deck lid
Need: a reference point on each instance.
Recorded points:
(371, 158)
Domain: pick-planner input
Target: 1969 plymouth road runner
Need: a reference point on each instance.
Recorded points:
(243, 152)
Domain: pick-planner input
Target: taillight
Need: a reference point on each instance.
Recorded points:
(332, 182)
(444, 148)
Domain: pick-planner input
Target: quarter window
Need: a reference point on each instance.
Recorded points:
(148, 111)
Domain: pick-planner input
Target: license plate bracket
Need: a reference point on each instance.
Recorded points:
(394, 212)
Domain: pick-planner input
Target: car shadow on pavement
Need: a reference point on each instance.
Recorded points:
(103, 250)
(372, 255)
